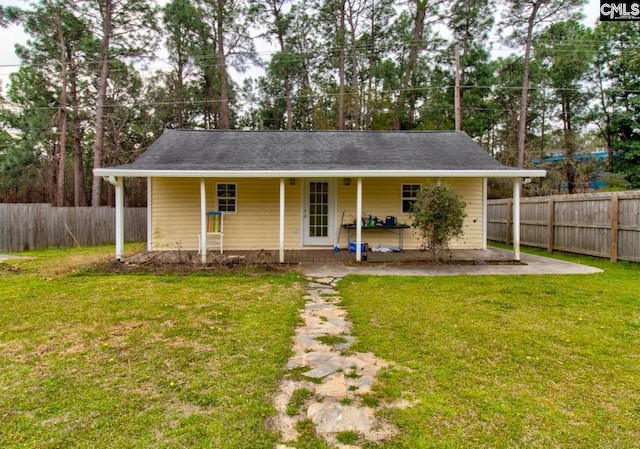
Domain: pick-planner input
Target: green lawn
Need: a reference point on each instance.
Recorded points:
(507, 361)
(89, 360)
(94, 360)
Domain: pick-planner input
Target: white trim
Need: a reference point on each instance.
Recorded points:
(358, 221)
(329, 240)
(119, 184)
(301, 209)
(507, 173)
(402, 184)
(149, 205)
(282, 204)
(235, 209)
(485, 191)
(336, 216)
(203, 221)
(516, 218)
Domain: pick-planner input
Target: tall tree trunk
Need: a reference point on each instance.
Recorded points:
(371, 96)
(180, 92)
(569, 147)
(277, 17)
(412, 60)
(98, 147)
(287, 98)
(355, 89)
(287, 80)
(79, 192)
(224, 121)
(62, 115)
(210, 97)
(79, 188)
(604, 130)
(341, 59)
(306, 89)
(50, 177)
(524, 97)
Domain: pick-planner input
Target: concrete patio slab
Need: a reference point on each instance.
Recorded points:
(531, 264)
(5, 257)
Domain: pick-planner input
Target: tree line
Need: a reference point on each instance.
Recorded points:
(86, 94)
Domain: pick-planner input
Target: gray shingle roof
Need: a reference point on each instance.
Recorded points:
(222, 150)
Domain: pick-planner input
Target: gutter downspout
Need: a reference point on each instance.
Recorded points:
(118, 183)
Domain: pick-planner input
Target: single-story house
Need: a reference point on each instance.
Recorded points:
(282, 190)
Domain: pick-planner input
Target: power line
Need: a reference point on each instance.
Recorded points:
(299, 56)
(315, 97)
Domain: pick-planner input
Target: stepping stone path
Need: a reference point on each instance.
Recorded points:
(335, 375)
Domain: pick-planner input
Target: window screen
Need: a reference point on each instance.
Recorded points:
(227, 197)
(409, 195)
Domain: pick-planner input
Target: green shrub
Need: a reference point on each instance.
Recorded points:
(438, 214)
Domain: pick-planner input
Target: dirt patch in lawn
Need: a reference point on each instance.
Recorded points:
(171, 262)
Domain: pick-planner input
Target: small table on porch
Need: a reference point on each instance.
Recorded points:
(397, 230)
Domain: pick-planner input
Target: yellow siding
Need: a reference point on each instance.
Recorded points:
(472, 194)
(175, 212)
(381, 197)
(256, 225)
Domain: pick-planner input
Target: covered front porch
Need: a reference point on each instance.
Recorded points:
(489, 255)
(291, 252)
(290, 190)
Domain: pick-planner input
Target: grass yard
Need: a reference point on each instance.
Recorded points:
(95, 360)
(506, 361)
(90, 360)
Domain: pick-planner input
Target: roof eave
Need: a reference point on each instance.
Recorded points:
(503, 173)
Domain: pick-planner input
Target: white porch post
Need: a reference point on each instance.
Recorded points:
(149, 206)
(281, 220)
(358, 221)
(119, 185)
(203, 221)
(516, 218)
(484, 213)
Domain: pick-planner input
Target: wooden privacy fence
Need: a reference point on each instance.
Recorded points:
(597, 224)
(36, 226)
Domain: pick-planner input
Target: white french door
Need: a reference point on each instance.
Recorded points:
(318, 214)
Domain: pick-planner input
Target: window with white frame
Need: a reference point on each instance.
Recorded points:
(227, 197)
(409, 195)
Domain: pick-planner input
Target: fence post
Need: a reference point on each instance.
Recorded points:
(614, 217)
(507, 235)
(550, 224)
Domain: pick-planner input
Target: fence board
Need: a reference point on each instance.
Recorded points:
(574, 223)
(37, 226)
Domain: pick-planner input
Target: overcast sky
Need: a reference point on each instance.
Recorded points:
(12, 35)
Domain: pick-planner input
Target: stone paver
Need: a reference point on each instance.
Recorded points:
(333, 417)
(333, 387)
(322, 370)
(336, 406)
